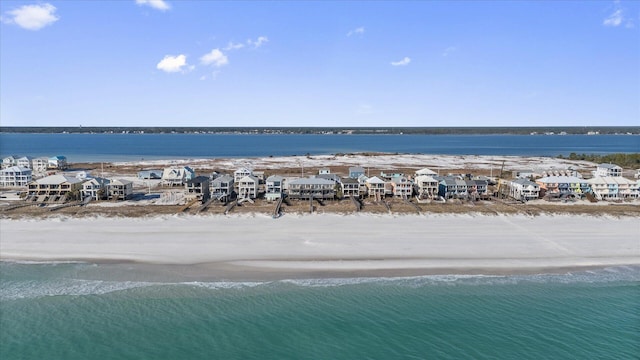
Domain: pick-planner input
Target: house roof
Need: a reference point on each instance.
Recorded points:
(243, 170)
(57, 179)
(120, 182)
(375, 180)
(15, 169)
(609, 166)
(524, 182)
(199, 180)
(400, 180)
(97, 181)
(275, 178)
(311, 181)
(223, 178)
(560, 179)
(426, 171)
(250, 178)
(349, 181)
(356, 169)
(425, 178)
(610, 180)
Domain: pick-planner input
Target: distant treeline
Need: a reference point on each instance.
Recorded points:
(623, 160)
(593, 130)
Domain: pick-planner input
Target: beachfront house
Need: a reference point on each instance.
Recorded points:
(248, 187)
(54, 188)
(356, 171)
(58, 162)
(40, 164)
(563, 186)
(25, 162)
(522, 189)
(613, 188)
(401, 187)
(222, 185)
(306, 188)
(350, 187)
(425, 172)
(241, 173)
(452, 187)
(177, 176)
(119, 189)
(198, 188)
(375, 187)
(608, 170)
(15, 176)
(481, 188)
(274, 187)
(9, 161)
(427, 186)
(95, 188)
(324, 171)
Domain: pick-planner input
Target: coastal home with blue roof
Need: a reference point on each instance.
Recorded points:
(58, 162)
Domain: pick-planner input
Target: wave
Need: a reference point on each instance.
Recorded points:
(29, 289)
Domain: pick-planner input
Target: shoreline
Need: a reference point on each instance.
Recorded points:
(329, 245)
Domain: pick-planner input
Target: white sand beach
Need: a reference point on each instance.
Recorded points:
(333, 242)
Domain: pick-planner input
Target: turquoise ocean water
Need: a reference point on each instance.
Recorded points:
(80, 311)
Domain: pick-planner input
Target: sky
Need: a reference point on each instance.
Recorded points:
(319, 63)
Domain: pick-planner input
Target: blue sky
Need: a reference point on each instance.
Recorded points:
(302, 63)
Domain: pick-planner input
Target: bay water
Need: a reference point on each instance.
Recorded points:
(123, 147)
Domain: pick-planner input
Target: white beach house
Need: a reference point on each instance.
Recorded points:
(15, 176)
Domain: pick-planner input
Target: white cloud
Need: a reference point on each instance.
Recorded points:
(156, 4)
(614, 19)
(618, 17)
(258, 42)
(173, 64)
(33, 17)
(359, 31)
(215, 58)
(402, 62)
(449, 50)
(233, 46)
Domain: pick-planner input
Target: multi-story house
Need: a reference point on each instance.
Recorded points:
(248, 187)
(608, 170)
(177, 176)
(306, 188)
(119, 189)
(40, 164)
(198, 188)
(95, 188)
(274, 187)
(15, 176)
(58, 162)
(350, 187)
(427, 186)
(376, 187)
(401, 187)
(25, 162)
(54, 187)
(222, 185)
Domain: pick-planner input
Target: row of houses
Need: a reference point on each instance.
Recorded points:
(37, 164)
(613, 187)
(59, 187)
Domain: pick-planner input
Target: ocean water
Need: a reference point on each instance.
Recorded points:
(121, 147)
(81, 311)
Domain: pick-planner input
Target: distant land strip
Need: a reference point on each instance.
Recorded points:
(560, 130)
